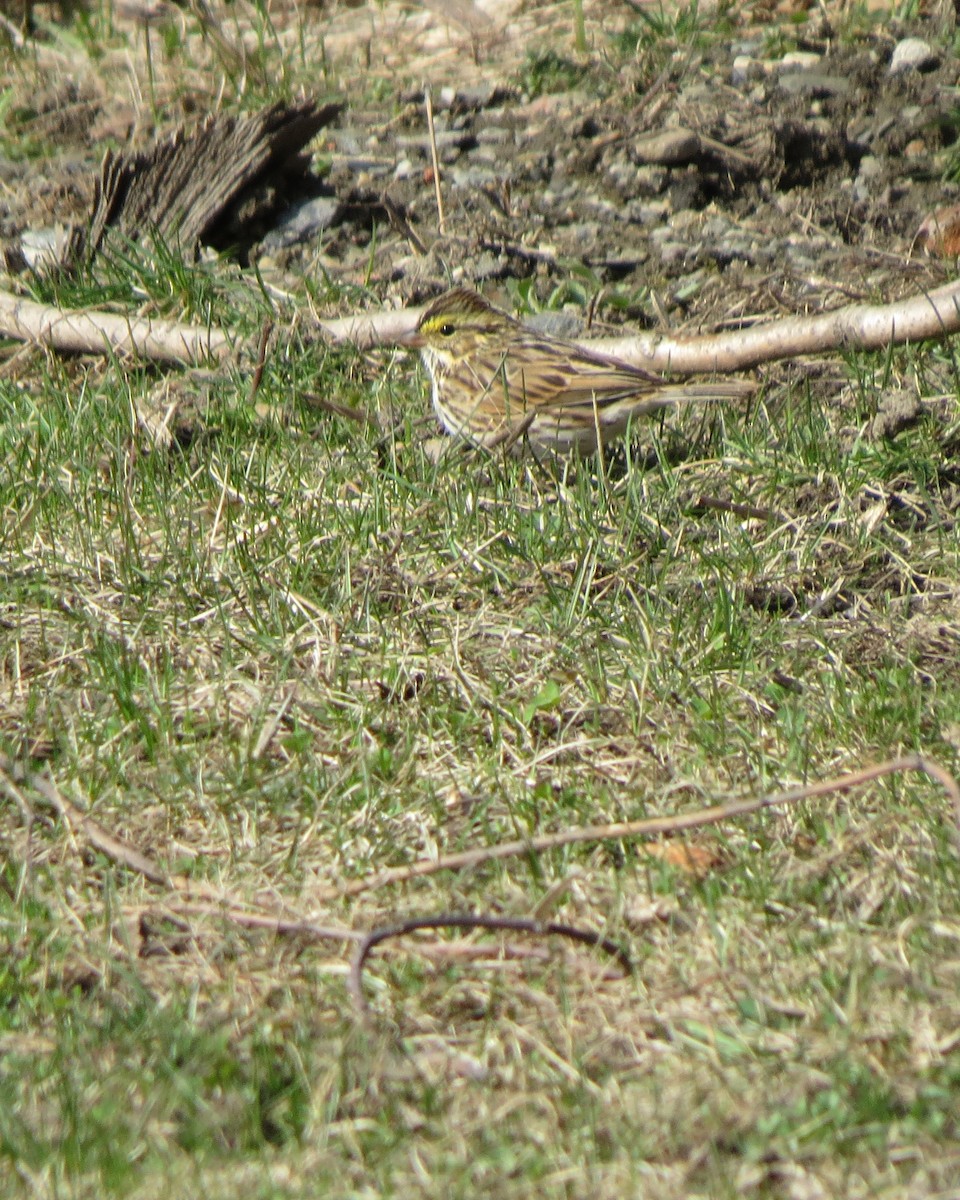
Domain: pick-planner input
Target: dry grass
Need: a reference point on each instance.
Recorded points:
(288, 650)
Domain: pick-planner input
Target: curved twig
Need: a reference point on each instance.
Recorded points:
(373, 939)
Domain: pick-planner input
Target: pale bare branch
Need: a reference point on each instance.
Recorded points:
(91, 332)
(932, 314)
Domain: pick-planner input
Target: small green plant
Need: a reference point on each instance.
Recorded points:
(662, 30)
(546, 71)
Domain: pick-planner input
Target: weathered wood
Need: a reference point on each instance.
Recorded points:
(183, 188)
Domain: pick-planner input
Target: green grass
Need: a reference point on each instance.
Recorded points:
(475, 649)
(279, 650)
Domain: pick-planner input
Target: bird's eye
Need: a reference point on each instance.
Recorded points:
(447, 329)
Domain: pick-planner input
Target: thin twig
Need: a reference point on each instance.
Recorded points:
(507, 438)
(441, 220)
(190, 896)
(747, 511)
(113, 847)
(651, 826)
(325, 404)
(261, 360)
(468, 921)
(244, 918)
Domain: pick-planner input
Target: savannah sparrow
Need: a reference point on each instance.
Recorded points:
(495, 380)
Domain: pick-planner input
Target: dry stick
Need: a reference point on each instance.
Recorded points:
(246, 919)
(211, 901)
(121, 852)
(441, 221)
(114, 848)
(653, 825)
(858, 326)
(261, 360)
(747, 511)
(91, 332)
(468, 921)
(324, 404)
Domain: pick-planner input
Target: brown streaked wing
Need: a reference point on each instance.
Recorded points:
(567, 375)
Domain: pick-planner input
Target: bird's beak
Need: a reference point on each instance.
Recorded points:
(414, 340)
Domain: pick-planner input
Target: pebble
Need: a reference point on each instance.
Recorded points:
(745, 68)
(912, 54)
(556, 324)
(672, 252)
(716, 227)
(43, 249)
(488, 156)
(623, 175)
(865, 186)
(651, 180)
(642, 212)
(799, 60)
(813, 83)
(673, 147)
(472, 177)
(448, 139)
(302, 222)
(495, 135)
(584, 233)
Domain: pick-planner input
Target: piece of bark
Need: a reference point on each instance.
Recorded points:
(184, 188)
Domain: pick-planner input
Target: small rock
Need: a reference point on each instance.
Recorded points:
(813, 83)
(912, 54)
(745, 68)
(799, 60)
(865, 186)
(302, 222)
(561, 324)
(672, 252)
(896, 411)
(746, 48)
(488, 266)
(584, 233)
(495, 135)
(716, 227)
(446, 139)
(651, 180)
(44, 249)
(481, 96)
(646, 212)
(623, 174)
(672, 148)
(472, 177)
